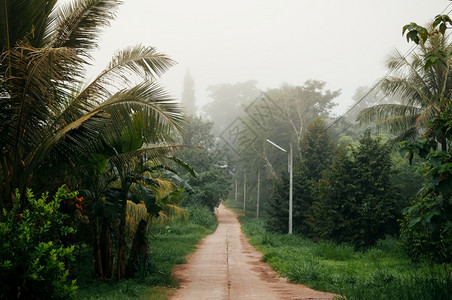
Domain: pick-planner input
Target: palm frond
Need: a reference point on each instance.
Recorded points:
(79, 24)
(158, 154)
(409, 135)
(397, 124)
(425, 116)
(384, 111)
(160, 113)
(409, 91)
(71, 142)
(37, 89)
(23, 20)
(138, 62)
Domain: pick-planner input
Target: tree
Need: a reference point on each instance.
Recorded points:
(51, 119)
(356, 200)
(212, 181)
(417, 84)
(281, 117)
(188, 95)
(427, 223)
(228, 103)
(316, 151)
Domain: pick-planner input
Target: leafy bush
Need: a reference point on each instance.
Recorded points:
(208, 188)
(33, 259)
(201, 215)
(357, 203)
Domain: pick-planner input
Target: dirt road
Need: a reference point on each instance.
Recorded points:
(226, 266)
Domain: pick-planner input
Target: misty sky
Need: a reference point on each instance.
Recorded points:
(344, 43)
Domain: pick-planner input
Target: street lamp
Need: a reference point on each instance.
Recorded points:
(290, 163)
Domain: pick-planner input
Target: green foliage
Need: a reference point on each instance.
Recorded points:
(34, 260)
(169, 244)
(415, 33)
(277, 206)
(52, 119)
(211, 183)
(201, 215)
(316, 150)
(209, 188)
(381, 272)
(427, 223)
(356, 200)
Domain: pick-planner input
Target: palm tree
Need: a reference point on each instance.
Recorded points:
(50, 118)
(417, 89)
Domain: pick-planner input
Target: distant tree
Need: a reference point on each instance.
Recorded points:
(283, 119)
(212, 183)
(188, 95)
(357, 202)
(316, 149)
(229, 102)
(198, 133)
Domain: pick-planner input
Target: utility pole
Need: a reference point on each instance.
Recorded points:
(235, 191)
(290, 188)
(290, 165)
(244, 192)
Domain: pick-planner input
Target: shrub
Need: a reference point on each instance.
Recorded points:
(201, 215)
(33, 259)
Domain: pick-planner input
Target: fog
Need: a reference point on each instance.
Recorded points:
(344, 43)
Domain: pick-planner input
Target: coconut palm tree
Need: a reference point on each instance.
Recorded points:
(50, 117)
(416, 87)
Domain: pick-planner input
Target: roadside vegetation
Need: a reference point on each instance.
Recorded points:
(170, 242)
(380, 272)
(106, 184)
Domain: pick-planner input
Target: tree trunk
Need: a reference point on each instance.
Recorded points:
(121, 255)
(138, 253)
(105, 250)
(98, 270)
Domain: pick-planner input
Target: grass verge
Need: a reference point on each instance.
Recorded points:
(382, 272)
(169, 244)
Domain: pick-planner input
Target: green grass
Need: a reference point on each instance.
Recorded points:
(169, 245)
(382, 272)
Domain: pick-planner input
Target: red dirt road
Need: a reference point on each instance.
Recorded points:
(226, 266)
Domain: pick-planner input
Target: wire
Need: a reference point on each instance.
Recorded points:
(407, 53)
(354, 123)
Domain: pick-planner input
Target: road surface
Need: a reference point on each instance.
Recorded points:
(226, 266)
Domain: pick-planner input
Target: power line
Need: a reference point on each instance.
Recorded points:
(354, 123)
(407, 53)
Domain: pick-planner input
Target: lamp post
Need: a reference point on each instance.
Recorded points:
(290, 163)
(244, 191)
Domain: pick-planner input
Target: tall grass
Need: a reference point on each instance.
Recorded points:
(382, 272)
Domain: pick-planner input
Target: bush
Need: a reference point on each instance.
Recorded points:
(33, 260)
(208, 189)
(201, 215)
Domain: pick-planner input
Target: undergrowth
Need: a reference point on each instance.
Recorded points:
(169, 244)
(381, 272)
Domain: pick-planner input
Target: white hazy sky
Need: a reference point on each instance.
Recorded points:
(344, 43)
